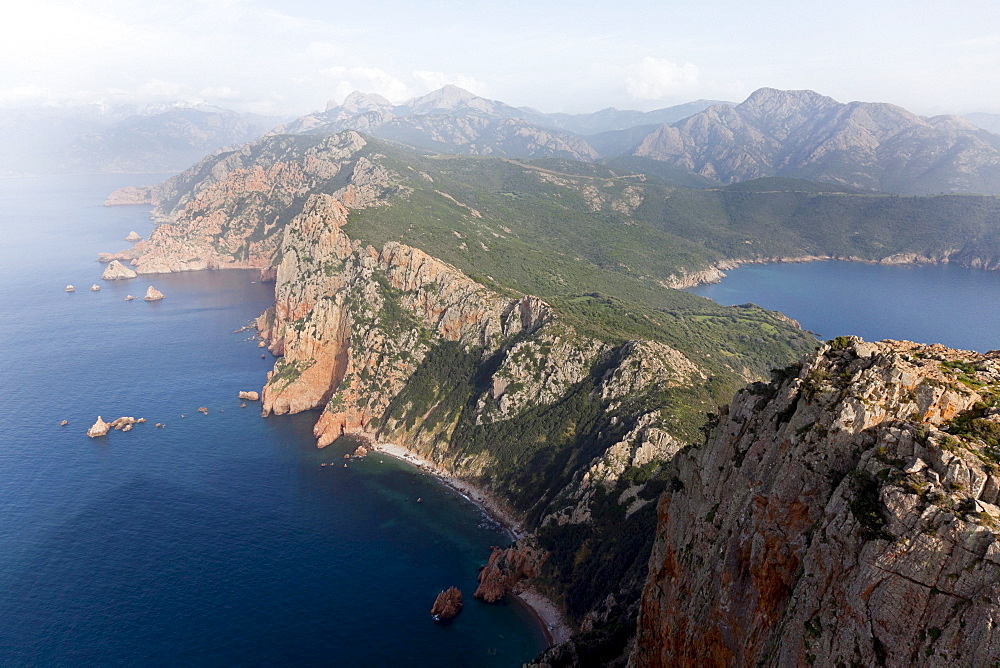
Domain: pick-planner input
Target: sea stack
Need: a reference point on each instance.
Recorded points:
(250, 396)
(133, 236)
(100, 428)
(447, 604)
(70, 288)
(116, 271)
(152, 294)
(95, 287)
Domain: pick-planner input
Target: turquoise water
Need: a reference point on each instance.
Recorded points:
(219, 540)
(930, 304)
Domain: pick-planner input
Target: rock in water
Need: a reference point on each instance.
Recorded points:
(100, 428)
(506, 569)
(64, 423)
(70, 288)
(133, 236)
(447, 604)
(95, 287)
(152, 294)
(361, 451)
(129, 298)
(116, 271)
(250, 396)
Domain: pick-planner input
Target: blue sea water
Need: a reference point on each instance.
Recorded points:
(219, 540)
(946, 304)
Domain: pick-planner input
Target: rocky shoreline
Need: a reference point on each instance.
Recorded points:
(553, 624)
(717, 271)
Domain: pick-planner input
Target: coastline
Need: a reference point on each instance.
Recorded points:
(544, 610)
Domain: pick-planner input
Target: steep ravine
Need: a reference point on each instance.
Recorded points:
(843, 514)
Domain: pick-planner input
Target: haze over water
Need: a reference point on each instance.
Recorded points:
(220, 540)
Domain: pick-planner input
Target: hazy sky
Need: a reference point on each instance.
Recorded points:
(293, 56)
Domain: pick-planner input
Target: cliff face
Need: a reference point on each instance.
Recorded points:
(842, 514)
(229, 211)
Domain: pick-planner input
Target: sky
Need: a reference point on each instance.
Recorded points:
(294, 56)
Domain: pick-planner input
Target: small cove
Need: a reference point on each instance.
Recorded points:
(946, 304)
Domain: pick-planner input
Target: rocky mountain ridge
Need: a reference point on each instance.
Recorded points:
(848, 511)
(802, 134)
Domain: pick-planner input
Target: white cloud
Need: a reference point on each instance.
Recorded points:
(433, 80)
(368, 80)
(656, 78)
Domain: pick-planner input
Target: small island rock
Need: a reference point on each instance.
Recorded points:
(203, 410)
(70, 288)
(129, 298)
(64, 423)
(100, 428)
(133, 236)
(152, 294)
(95, 287)
(116, 271)
(447, 604)
(250, 396)
(361, 451)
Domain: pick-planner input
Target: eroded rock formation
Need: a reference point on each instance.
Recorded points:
(152, 294)
(447, 604)
(116, 271)
(99, 428)
(842, 515)
(507, 568)
(249, 396)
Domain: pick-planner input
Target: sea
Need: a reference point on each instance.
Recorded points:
(947, 304)
(221, 539)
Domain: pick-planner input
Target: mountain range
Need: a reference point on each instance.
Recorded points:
(798, 134)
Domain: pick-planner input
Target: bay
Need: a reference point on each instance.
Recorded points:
(220, 539)
(946, 304)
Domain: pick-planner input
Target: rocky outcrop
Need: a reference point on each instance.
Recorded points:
(250, 396)
(224, 212)
(133, 236)
(95, 288)
(99, 428)
(507, 569)
(331, 291)
(131, 195)
(447, 604)
(70, 288)
(842, 514)
(116, 271)
(152, 294)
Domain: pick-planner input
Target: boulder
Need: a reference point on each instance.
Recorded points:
(152, 294)
(133, 236)
(447, 604)
(64, 423)
(116, 271)
(250, 396)
(100, 428)
(129, 298)
(70, 288)
(95, 287)
(361, 451)
(203, 410)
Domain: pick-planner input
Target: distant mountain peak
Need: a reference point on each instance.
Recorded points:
(358, 102)
(447, 98)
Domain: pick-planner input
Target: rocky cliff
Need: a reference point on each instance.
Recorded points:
(843, 514)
